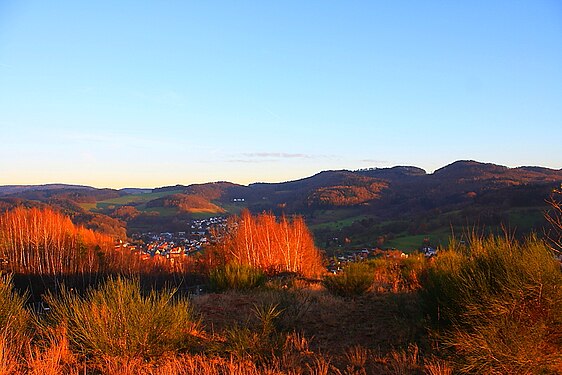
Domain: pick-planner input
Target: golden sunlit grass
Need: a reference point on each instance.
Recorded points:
(492, 305)
(117, 320)
(496, 304)
(109, 330)
(235, 276)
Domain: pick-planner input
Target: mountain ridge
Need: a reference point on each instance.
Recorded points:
(406, 198)
(460, 166)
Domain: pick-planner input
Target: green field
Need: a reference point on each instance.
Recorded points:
(410, 243)
(87, 206)
(526, 218)
(137, 198)
(338, 224)
(231, 209)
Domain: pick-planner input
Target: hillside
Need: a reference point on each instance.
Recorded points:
(369, 206)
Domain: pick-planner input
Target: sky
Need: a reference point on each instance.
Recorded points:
(155, 93)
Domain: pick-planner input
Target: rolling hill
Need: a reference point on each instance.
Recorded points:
(362, 205)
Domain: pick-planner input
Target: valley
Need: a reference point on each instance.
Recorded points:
(399, 207)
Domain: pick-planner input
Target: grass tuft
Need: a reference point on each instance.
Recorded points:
(356, 279)
(116, 320)
(496, 305)
(236, 276)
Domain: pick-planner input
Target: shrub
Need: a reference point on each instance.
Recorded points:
(295, 304)
(411, 270)
(387, 274)
(356, 279)
(117, 320)
(14, 322)
(498, 304)
(235, 276)
(261, 342)
(13, 316)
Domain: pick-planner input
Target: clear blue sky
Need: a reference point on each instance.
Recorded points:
(153, 93)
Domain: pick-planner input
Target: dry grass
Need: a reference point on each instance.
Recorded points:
(54, 356)
(118, 320)
(495, 305)
(9, 353)
(437, 366)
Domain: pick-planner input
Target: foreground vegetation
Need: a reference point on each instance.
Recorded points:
(488, 305)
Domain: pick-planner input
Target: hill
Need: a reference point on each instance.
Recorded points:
(370, 206)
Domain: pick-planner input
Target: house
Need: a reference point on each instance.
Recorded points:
(428, 251)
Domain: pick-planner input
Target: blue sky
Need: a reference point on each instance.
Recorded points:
(153, 93)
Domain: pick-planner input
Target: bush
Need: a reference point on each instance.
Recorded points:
(235, 276)
(356, 279)
(14, 323)
(258, 343)
(411, 270)
(498, 305)
(117, 320)
(13, 316)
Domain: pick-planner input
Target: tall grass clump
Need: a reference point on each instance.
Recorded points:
(15, 321)
(411, 269)
(497, 305)
(14, 318)
(398, 274)
(116, 320)
(235, 276)
(356, 279)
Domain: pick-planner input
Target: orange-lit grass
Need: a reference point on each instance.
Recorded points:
(343, 327)
(496, 304)
(378, 275)
(117, 320)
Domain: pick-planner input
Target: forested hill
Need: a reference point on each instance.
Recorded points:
(402, 199)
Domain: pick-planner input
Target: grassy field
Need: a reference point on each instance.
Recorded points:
(525, 218)
(338, 224)
(88, 206)
(409, 243)
(136, 198)
(232, 209)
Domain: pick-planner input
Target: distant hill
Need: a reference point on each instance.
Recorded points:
(18, 189)
(187, 203)
(397, 201)
(394, 173)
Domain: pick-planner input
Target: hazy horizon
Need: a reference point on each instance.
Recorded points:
(257, 180)
(150, 94)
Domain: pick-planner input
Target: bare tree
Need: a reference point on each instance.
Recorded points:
(263, 241)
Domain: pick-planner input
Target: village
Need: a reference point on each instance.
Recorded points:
(198, 234)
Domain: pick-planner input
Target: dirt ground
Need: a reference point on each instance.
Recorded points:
(380, 322)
